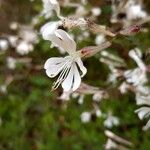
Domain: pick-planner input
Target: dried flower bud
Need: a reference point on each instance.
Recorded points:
(130, 30)
(95, 28)
(92, 50)
(73, 22)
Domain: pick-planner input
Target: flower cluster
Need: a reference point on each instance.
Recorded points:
(70, 69)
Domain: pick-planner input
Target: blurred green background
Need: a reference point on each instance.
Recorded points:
(32, 117)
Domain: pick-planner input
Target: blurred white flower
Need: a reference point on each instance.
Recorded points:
(85, 117)
(4, 45)
(144, 112)
(142, 99)
(99, 39)
(98, 96)
(49, 6)
(96, 11)
(84, 2)
(14, 25)
(65, 96)
(69, 77)
(111, 121)
(81, 99)
(128, 12)
(28, 34)
(98, 113)
(135, 12)
(3, 88)
(11, 63)
(24, 48)
(13, 40)
(136, 55)
(123, 87)
(110, 144)
(136, 76)
(80, 11)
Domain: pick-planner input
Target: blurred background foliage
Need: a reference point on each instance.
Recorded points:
(32, 118)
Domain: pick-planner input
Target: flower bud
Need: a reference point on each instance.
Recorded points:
(130, 30)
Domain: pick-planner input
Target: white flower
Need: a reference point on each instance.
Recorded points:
(13, 40)
(85, 117)
(4, 45)
(143, 112)
(136, 55)
(28, 34)
(111, 121)
(135, 76)
(96, 11)
(81, 99)
(135, 12)
(99, 39)
(49, 6)
(110, 144)
(66, 67)
(3, 88)
(48, 29)
(24, 48)
(11, 63)
(98, 96)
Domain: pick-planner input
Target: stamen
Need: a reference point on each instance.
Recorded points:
(62, 75)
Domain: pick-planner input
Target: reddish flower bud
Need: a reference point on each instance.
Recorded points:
(130, 30)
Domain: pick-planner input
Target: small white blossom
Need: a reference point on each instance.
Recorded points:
(13, 40)
(80, 11)
(49, 6)
(110, 144)
(28, 34)
(81, 99)
(11, 63)
(99, 39)
(97, 97)
(143, 112)
(85, 117)
(24, 48)
(3, 88)
(135, 12)
(142, 95)
(69, 76)
(14, 25)
(136, 55)
(124, 88)
(136, 76)
(4, 45)
(96, 11)
(111, 121)
(98, 113)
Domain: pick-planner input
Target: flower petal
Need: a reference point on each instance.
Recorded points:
(73, 80)
(48, 29)
(50, 5)
(81, 66)
(54, 65)
(67, 83)
(67, 41)
(77, 78)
